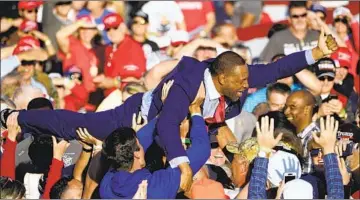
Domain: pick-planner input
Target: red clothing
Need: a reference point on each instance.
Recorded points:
(53, 176)
(127, 60)
(195, 13)
(219, 115)
(265, 18)
(354, 50)
(341, 97)
(77, 99)
(83, 58)
(8, 159)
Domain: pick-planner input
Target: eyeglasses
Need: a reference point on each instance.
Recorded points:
(31, 11)
(108, 29)
(315, 152)
(32, 62)
(299, 16)
(329, 78)
(339, 19)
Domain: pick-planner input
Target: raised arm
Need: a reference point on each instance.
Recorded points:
(260, 75)
(62, 123)
(310, 81)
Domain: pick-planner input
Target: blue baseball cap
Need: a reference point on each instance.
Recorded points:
(318, 8)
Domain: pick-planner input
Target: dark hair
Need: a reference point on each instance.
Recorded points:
(119, 148)
(277, 56)
(41, 152)
(276, 28)
(296, 4)
(11, 189)
(40, 103)
(279, 88)
(59, 187)
(226, 61)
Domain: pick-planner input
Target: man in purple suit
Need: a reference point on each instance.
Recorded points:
(226, 79)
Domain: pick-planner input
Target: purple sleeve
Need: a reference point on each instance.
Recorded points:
(63, 123)
(174, 111)
(260, 75)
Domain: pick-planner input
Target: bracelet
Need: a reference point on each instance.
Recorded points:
(87, 150)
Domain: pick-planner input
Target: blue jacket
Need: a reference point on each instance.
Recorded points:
(162, 183)
(187, 77)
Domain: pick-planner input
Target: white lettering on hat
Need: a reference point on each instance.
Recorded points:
(131, 67)
(326, 66)
(24, 48)
(110, 20)
(344, 56)
(345, 134)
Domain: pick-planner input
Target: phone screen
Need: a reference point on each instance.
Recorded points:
(289, 178)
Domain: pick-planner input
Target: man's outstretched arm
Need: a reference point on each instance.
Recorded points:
(63, 124)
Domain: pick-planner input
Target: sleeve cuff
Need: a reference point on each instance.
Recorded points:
(309, 58)
(196, 114)
(179, 160)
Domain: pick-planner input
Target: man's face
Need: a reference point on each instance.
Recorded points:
(63, 10)
(339, 24)
(327, 83)
(235, 82)
(29, 14)
(26, 69)
(317, 156)
(74, 190)
(116, 35)
(139, 26)
(341, 73)
(298, 18)
(87, 34)
(295, 109)
(217, 157)
(277, 101)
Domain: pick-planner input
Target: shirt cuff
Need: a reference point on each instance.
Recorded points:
(196, 114)
(179, 160)
(309, 58)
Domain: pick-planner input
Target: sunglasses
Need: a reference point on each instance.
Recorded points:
(329, 78)
(299, 16)
(108, 29)
(32, 62)
(31, 11)
(315, 152)
(142, 22)
(343, 20)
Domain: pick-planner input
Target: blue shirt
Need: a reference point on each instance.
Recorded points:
(99, 22)
(260, 96)
(257, 186)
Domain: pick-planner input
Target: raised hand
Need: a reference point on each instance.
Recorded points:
(136, 122)
(265, 134)
(327, 138)
(195, 106)
(13, 126)
(327, 43)
(166, 89)
(86, 138)
(59, 148)
(339, 149)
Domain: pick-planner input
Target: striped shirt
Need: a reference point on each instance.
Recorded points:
(306, 136)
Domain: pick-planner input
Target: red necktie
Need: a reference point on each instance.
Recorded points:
(219, 115)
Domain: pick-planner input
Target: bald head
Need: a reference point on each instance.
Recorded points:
(24, 94)
(306, 96)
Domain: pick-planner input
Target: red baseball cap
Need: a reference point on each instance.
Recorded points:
(27, 26)
(22, 48)
(112, 20)
(342, 57)
(28, 5)
(29, 40)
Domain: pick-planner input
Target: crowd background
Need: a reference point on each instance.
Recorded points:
(90, 56)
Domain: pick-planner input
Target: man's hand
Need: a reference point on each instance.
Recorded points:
(12, 126)
(339, 148)
(326, 45)
(39, 35)
(195, 106)
(104, 82)
(265, 134)
(33, 54)
(86, 139)
(280, 190)
(141, 193)
(327, 136)
(186, 177)
(136, 122)
(166, 89)
(6, 24)
(59, 148)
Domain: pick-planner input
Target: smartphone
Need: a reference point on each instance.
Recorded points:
(348, 151)
(288, 176)
(332, 96)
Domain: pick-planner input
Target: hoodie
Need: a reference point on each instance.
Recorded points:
(163, 183)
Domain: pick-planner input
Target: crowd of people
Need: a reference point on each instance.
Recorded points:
(160, 99)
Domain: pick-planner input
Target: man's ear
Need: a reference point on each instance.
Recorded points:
(137, 154)
(308, 110)
(221, 78)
